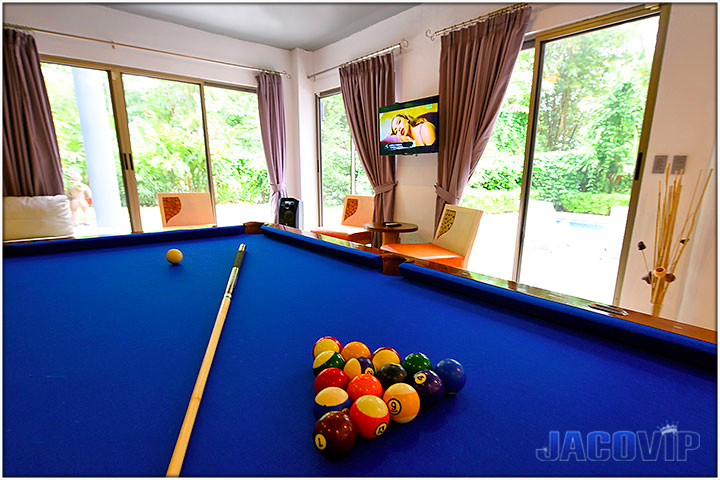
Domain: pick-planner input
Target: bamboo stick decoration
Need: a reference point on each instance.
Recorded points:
(668, 247)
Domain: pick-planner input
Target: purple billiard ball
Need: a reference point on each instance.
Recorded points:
(429, 387)
(452, 374)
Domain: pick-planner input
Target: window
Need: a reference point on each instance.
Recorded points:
(156, 135)
(559, 191)
(341, 171)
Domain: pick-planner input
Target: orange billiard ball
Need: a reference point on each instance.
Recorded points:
(355, 349)
(174, 256)
(364, 384)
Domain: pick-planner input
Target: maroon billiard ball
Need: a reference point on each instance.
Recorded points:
(334, 434)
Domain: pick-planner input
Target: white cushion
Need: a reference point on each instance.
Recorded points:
(36, 217)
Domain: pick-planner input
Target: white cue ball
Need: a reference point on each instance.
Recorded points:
(174, 256)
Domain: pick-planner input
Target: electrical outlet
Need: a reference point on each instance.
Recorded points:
(659, 164)
(678, 164)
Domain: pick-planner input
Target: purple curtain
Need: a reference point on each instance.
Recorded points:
(31, 159)
(366, 86)
(475, 68)
(272, 126)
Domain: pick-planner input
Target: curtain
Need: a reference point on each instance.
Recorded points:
(366, 86)
(475, 68)
(31, 159)
(272, 127)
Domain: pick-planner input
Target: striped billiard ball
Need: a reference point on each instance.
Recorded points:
(327, 359)
(358, 365)
(403, 402)
(384, 355)
(331, 399)
(325, 344)
(370, 415)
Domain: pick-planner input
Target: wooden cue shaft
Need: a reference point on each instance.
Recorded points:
(178, 455)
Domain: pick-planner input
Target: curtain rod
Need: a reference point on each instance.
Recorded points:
(479, 19)
(403, 44)
(152, 50)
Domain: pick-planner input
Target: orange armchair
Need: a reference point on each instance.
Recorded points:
(453, 240)
(357, 211)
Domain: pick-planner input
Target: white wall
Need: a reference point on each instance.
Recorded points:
(684, 123)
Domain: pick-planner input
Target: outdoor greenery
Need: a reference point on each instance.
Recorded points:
(590, 114)
(337, 151)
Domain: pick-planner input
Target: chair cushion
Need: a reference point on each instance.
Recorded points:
(36, 217)
(345, 232)
(426, 251)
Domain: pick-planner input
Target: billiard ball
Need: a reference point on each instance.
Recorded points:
(452, 374)
(356, 366)
(403, 402)
(390, 374)
(370, 415)
(327, 359)
(174, 256)
(334, 434)
(364, 384)
(355, 349)
(415, 362)
(428, 386)
(330, 377)
(331, 399)
(383, 356)
(324, 344)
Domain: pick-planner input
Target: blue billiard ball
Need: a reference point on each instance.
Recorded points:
(429, 387)
(331, 399)
(452, 374)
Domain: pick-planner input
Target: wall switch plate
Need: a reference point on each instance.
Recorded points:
(678, 164)
(659, 164)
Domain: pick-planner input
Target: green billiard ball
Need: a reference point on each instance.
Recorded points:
(415, 362)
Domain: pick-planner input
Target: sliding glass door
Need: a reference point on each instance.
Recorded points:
(166, 136)
(125, 136)
(558, 180)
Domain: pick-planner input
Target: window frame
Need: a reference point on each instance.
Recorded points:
(117, 95)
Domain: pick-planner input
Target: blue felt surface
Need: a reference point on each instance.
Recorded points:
(102, 348)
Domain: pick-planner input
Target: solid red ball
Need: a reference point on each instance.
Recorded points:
(331, 377)
(364, 384)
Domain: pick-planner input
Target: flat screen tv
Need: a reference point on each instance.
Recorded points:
(409, 128)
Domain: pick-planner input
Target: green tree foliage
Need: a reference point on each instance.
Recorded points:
(590, 112)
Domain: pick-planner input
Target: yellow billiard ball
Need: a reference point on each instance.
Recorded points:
(174, 256)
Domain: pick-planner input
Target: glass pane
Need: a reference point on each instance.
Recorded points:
(165, 122)
(85, 128)
(335, 153)
(242, 189)
(592, 102)
(495, 186)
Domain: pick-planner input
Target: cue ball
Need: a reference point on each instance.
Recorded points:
(174, 256)
(334, 434)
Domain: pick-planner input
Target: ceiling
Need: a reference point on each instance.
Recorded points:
(309, 26)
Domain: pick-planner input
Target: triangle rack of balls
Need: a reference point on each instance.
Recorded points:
(358, 392)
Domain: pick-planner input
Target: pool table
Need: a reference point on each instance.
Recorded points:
(103, 339)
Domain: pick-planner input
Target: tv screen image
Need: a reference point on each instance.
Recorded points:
(409, 128)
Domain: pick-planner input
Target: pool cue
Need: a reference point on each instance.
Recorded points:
(178, 455)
